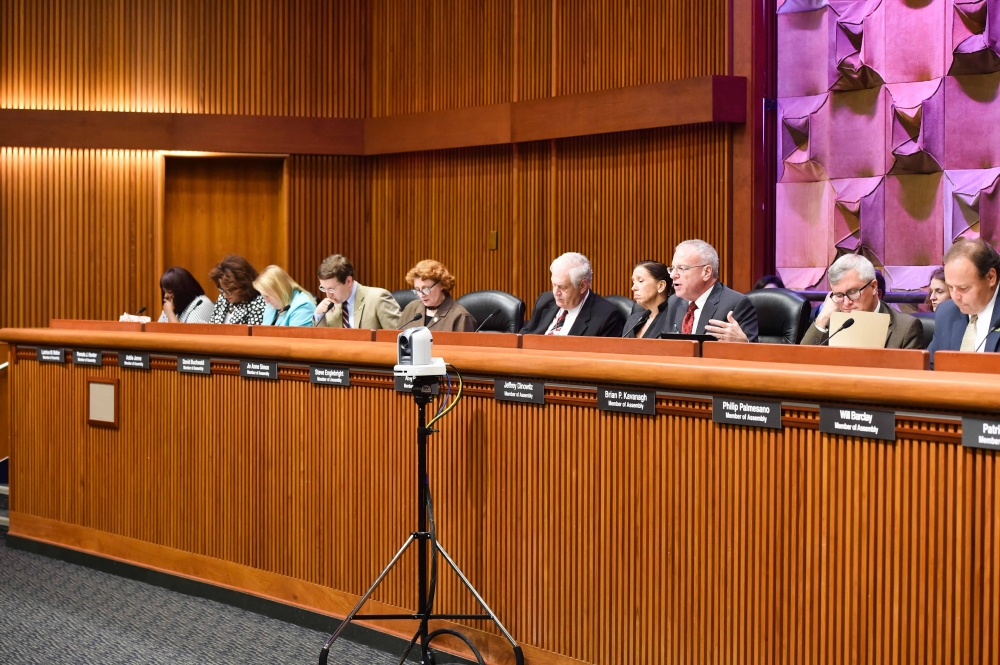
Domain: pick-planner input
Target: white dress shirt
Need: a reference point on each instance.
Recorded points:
(699, 304)
(984, 320)
(570, 317)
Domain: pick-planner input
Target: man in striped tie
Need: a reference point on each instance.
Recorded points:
(573, 308)
(970, 321)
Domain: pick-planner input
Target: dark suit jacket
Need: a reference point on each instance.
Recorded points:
(905, 331)
(638, 317)
(721, 301)
(450, 316)
(597, 318)
(950, 325)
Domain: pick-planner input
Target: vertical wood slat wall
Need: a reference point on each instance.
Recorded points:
(618, 198)
(656, 540)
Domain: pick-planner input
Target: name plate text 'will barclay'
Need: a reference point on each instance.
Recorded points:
(855, 421)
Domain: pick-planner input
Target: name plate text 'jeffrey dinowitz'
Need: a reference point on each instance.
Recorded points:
(50, 355)
(627, 400)
(519, 390)
(259, 369)
(749, 413)
(984, 434)
(189, 365)
(84, 357)
(133, 360)
(854, 421)
(323, 375)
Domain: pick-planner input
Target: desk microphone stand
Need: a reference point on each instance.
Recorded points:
(422, 386)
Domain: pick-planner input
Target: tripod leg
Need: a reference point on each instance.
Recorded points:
(472, 590)
(357, 608)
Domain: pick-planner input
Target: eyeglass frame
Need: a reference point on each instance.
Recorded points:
(424, 291)
(680, 270)
(839, 297)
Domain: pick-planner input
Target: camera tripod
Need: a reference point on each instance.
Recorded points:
(426, 584)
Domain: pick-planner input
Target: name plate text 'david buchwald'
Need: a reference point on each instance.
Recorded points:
(189, 365)
(854, 421)
(749, 413)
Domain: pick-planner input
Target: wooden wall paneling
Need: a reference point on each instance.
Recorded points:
(214, 206)
(307, 58)
(77, 237)
(329, 213)
(5, 423)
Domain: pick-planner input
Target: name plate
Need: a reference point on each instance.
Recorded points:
(519, 390)
(852, 421)
(323, 375)
(259, 369)
(404, 385)
(984, 434)
(92, 358)
(750, 413)
(50, 355)
(133, 360)
(627, 400)
(189, 365)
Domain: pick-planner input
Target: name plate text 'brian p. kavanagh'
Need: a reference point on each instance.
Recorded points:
(627, 400)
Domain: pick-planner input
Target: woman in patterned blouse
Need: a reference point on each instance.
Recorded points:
(239, 301)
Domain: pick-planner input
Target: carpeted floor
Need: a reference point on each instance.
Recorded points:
(55, 612)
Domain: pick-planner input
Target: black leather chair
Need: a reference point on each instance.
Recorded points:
(481, 304)
(623, 304)
(927, 321)
(404, 297)
(782, 315)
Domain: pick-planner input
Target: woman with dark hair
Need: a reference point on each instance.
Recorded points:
(937, 290)
(184, 300)
(769, 282)
(650, 289)
(239, 301)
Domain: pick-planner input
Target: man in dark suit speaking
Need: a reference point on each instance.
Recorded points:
(969, 321)
(572, 308)
(702, 304)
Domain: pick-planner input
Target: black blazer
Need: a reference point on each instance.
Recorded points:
(597, 318)
(721, 301)
(638, 319)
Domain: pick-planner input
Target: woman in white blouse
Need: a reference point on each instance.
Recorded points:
(184, 300)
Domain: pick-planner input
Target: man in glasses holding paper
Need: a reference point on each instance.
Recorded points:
(855, 289)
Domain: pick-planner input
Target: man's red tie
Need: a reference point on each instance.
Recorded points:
(559, 322)
(687, 325)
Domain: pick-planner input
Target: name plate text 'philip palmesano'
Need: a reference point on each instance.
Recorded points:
(853, 421)
(322, 375)
(519, 390)
(983, 434)
(259, 369)
(749, 413)
(133, 360)
(189, 365)
(627, 400)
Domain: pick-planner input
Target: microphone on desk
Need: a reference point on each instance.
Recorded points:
(988, 333)
(847, 324)
(415, 317)
(642, 320)
(141, 310)
(492, 314)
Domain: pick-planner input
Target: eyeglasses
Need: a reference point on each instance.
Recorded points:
(426, 291)
(681, 269)
(323, 289)
(851, 295)
(227, 292)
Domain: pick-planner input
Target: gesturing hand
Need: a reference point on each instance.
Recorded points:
(726, 331)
